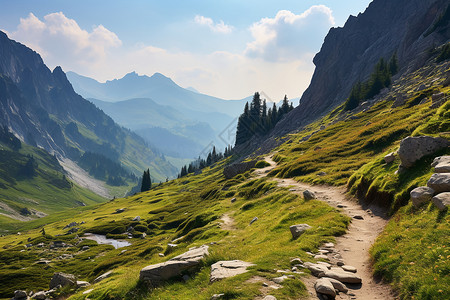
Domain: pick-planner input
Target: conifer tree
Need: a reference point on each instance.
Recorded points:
(146, 181)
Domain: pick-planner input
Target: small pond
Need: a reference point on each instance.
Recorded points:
(102, 239)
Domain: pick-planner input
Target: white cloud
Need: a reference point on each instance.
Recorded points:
(289, 36)
(220, 27)
(61, 41)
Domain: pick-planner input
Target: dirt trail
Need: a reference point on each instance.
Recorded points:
(355, 244)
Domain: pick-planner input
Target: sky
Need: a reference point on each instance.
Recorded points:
(224, 48)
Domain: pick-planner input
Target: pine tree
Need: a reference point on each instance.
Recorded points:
(285, 106)
(146, 181)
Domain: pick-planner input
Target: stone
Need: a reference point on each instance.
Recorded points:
(269, 297)
(337, 285)
(103, 276)
(230, 268)
(62, 279)
(316, 269)
(238, 168)
(421, 195)
(174, 267)
(280, 279)
(320, 256)
(233, 200)
(358, 217)
(39, 295)
(82, 284)
(437, 97)
(253, 220)
(400, 100)
(217, 296)
(342, 276)
(137, 218)
(87, 292)
(84, 248)
(119, 210)
(324, 286)
(323, 263)
(441, 201)
(320, 174)
(73, 224)
(296, 261)
(298, 230)
(308, 195)
(439, 182)
(414, 148)
(348, 268)
(19, 294)
(441, 164)
(328, 245)
(340, 263)
(389, 158)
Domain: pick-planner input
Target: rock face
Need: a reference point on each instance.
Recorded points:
(324, 286)
(298, 230)
(421, 195)
(62, 279)
(230, 268)
(239, 168)
(163, 271)
(414, 148)
(441, 164)
(440, 182)
(442, 200)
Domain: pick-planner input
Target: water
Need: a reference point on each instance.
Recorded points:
(101, 239)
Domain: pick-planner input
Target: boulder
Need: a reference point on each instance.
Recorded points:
(280, 279)
(442, 200)
(349, 268)
(439, 182)
(337, 285)
(163, 271)
(233, 200)
(39, 295)
(298, 230)
(389, 158)
(308, 195)
(441, 164)
(225, 269)
(103, 276)
(62, 279)
(320, 256)
(296, 261)
(414, 148)
(324, 286)
(238, 168)
(82, 284)
(421, 195)
(316, 269)
(20, 295)
(137, 218)
(342, 276)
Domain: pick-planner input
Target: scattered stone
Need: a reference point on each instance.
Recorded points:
(349, 268)
(337, 285)
(72, 230)
(73, 224)
(137, 218)
(328, 245)
(225, 269)
(280, 279)
(342, 276)
(324, 251)
(298, 230)
(253, 220)
(175, 266)
(320, 174)
(119, 210)
(442, 200)
(82, 284)
(39, 295)
(296, 261)
(315, 269)
(87, 291)
(20, 295)
(421, 195)
(323, 263)
(414, 148)
(84, 248)
(324, 286)
(103, 276)
(161, 254)
(389, 158)
(233, 200)
(341, 206)
(308, 195)
(238, 168)
(217, 296)
(441, 164)
(62, 279)
(320, 256)
(269, 297)
(265, 284)
(358, 217)
(439, 182)
(43, 262)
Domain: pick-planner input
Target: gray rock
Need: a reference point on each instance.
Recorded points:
(280, 279)
(308, 195)
(421, 195)
(441, 164)
(296, 261)
(62, 279)
(82, 284)
(119, 210)
(389, 158)
(298, 230)
(238, 168)
(337, 285)
(322, 173)
(137, 218)
(342, 276)
(217, 296)
(233, 200)
(20, 294)
(73, 224)
(316, 269)
(225, 269)
(349, 268)
(320, 256)
(400, 100)
(328, 245)
(437, 97)
(442, 200)
(439, 182)
(163, 271)
(324, 286)
(253, 220)
(414, 148)
(84, 248)
(39, 295)
(103, 276)
(269, 297)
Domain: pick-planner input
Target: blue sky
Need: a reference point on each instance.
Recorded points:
(227, 48)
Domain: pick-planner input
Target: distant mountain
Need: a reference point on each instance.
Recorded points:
(42, 109)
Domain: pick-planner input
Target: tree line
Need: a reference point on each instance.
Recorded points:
(257, 119)
(379, 79)
(201, 163)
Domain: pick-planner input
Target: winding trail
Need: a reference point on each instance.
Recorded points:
(353, 246)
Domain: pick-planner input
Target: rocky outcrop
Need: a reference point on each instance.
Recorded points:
(230, 268)
(414, 148)
(238, 168)
(442, 201)
(62, 279)
(421, 195)
(298, 230)
(439, 182)
(158, 273)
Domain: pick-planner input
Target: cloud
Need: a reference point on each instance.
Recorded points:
(220, 27)
(289, 36)
(60, 40)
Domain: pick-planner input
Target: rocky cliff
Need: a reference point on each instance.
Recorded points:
(409, 28)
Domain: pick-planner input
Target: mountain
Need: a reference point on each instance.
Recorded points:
(409, 28)
(42, 109)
